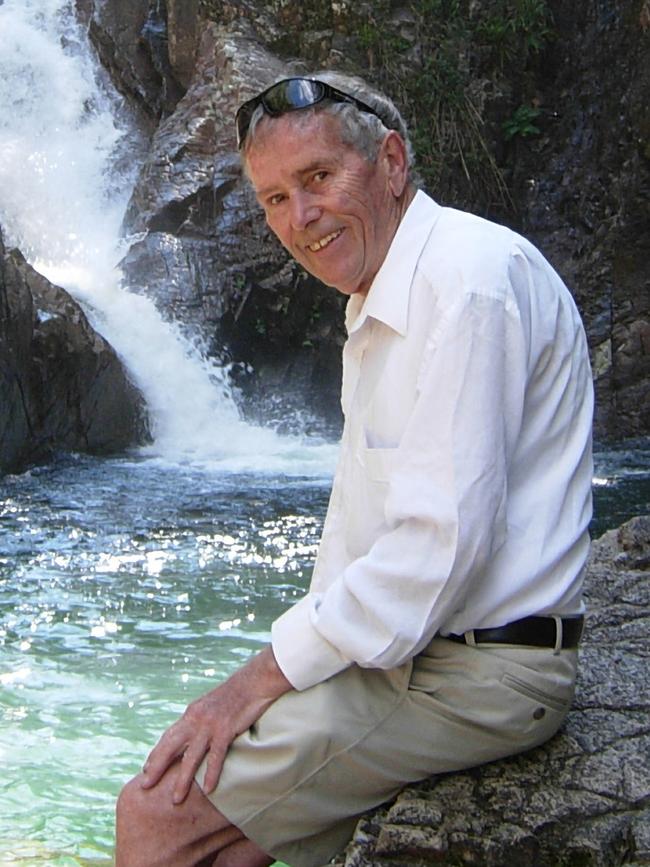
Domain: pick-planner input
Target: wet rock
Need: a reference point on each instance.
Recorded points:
(205, 254)
(583, 798)
(131, 40)
(183, 27)
(61, 385)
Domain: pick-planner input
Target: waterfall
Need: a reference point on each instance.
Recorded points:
(62, 130)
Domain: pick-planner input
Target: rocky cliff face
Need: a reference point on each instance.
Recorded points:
(61, 384)
(564, 117)
(584, 187)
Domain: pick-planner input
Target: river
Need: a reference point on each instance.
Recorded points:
(130, 585)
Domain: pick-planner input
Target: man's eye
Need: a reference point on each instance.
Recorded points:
(276, 199)
(320, 176)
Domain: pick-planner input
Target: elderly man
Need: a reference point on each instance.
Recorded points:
(441, 626)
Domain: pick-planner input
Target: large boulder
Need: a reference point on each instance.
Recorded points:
(584, 187)
(205, 254)
(62, 387)
(582, 799)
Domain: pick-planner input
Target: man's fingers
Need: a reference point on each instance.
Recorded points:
(192, 758)
(170, 747)
(214, 764)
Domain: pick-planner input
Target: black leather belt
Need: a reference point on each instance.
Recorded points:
(530, 631)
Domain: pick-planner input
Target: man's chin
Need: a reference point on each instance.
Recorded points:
(345, 287)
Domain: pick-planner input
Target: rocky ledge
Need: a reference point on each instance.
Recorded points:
(62, 387)
(582, 799)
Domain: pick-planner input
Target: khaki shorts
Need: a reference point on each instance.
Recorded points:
(298, 780)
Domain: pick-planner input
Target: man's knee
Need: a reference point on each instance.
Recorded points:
(128, 798)
(152, 831)
(147, 812)
(134, 804)
(135, 820)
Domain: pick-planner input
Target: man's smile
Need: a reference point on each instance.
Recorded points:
(323, 242)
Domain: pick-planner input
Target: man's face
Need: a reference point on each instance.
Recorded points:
(334, 212)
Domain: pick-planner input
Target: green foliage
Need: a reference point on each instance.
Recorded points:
(444, 76)
(522, 122)
(372, 38)
(515, 30)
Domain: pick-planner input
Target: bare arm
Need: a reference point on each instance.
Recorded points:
(211, 723)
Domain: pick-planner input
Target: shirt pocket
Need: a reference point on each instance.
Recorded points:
(378, 464)
(367, 492)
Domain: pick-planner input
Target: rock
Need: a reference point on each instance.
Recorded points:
(61, 384)
(587, 198)
(580, 800)
(183, 28)
(205, 254)
(131, 40)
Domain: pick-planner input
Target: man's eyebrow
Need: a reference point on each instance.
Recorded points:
(322, 162)
(262, 192)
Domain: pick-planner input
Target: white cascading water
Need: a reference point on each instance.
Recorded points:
(62, 204)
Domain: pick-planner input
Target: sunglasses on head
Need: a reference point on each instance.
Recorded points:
(292, 94)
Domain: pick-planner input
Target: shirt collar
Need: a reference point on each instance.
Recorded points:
(388, 297)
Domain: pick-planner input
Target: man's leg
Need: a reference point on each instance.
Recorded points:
(316, 759)
(153, 832)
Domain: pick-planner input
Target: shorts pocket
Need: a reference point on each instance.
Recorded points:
(535, 694)
(427, 675)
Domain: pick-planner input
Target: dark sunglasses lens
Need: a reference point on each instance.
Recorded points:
(242, 121)
(292, 94)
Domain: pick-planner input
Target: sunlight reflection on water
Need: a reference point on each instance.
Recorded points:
(125, 591)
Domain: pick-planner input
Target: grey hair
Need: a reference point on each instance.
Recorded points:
(359, 129)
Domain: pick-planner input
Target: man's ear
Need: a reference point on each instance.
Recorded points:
(393, 157)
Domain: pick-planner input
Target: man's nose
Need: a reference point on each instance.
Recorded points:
(304, 210)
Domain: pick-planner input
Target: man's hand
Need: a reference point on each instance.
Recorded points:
(211, 723)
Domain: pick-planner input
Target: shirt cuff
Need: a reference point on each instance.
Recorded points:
(305, 657)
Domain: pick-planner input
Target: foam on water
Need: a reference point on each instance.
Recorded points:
(62, 203)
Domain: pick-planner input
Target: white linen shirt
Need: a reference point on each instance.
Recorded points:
(462, 495)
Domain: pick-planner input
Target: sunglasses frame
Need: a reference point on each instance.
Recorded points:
(322, 91)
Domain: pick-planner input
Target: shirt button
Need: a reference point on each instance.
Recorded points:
(540, 713)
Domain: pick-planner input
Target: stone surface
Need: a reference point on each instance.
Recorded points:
(61, 384)
(584, 189)
(205, 254)
(184, 27)
(580, 800)
(131, 40)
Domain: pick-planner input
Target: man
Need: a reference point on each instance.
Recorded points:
(441, 626)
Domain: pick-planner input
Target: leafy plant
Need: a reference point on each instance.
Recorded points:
(522, 123)
(515, 30)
